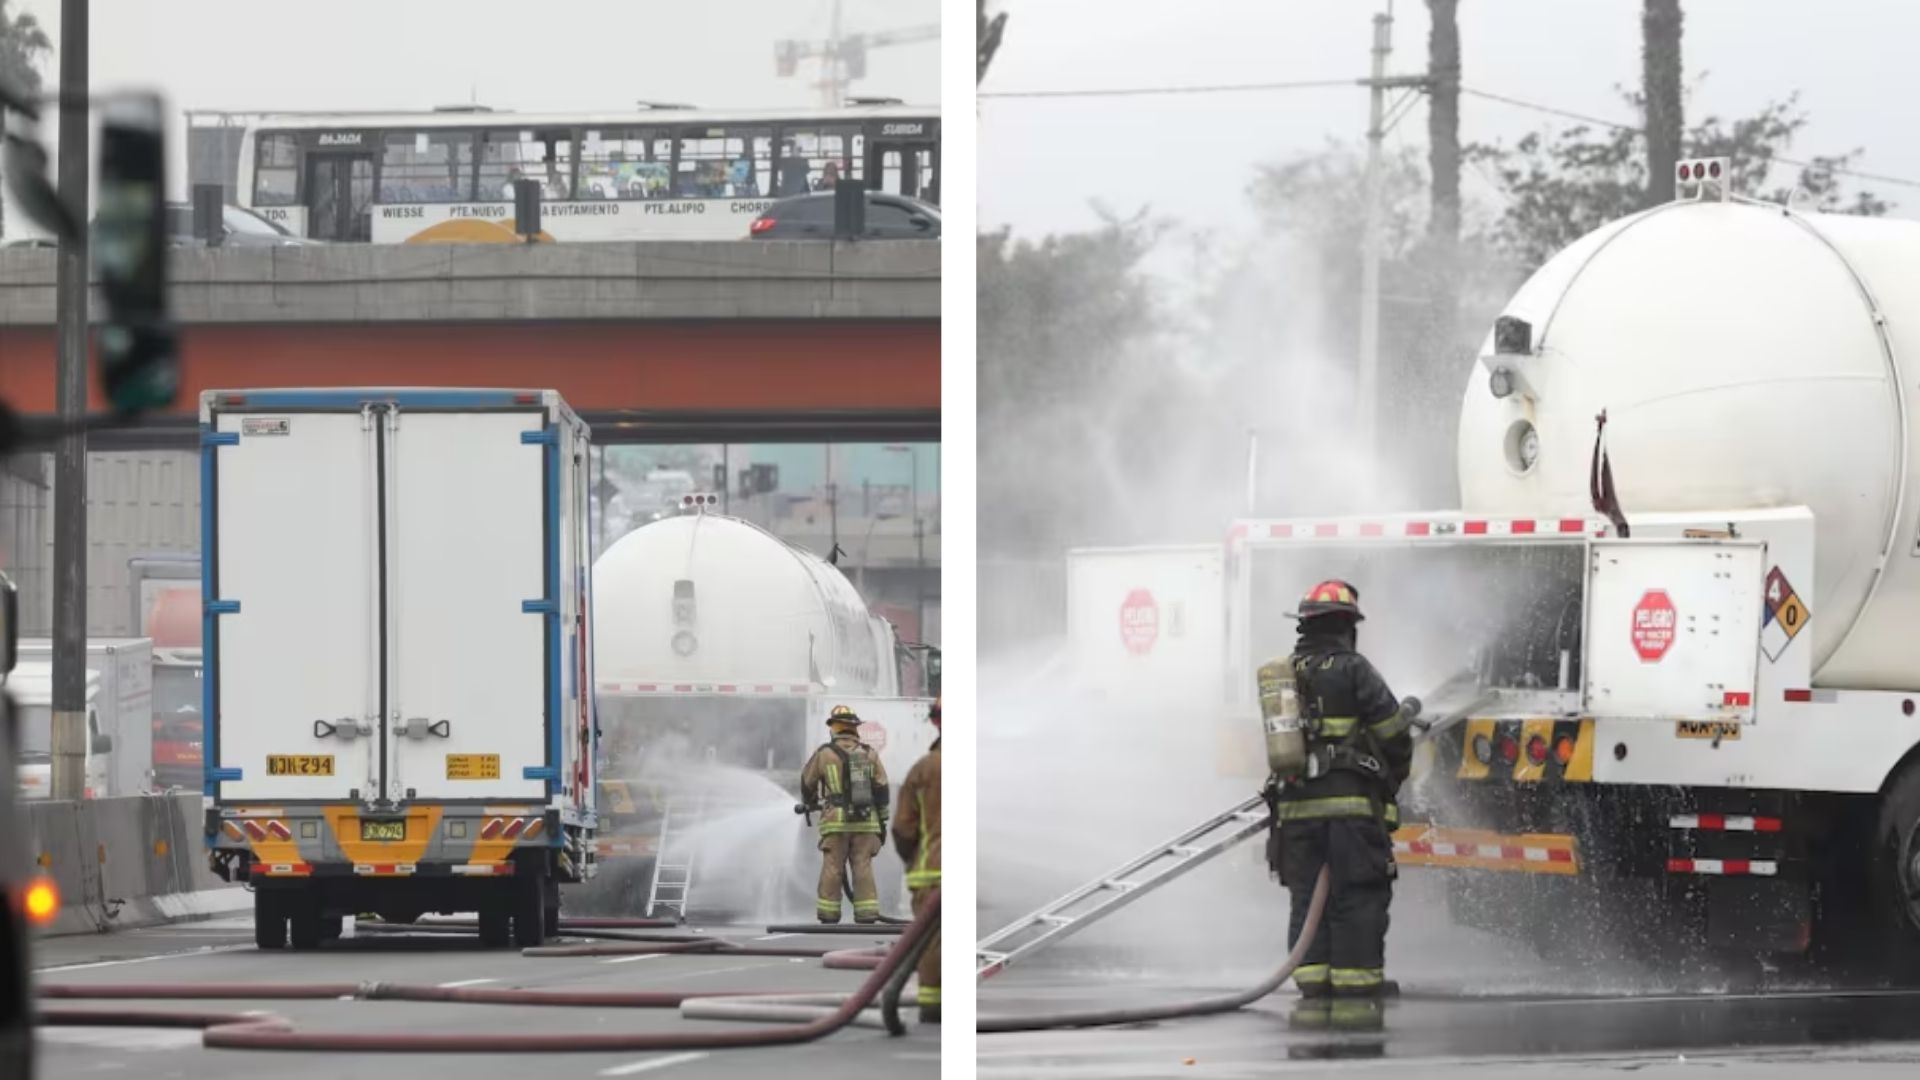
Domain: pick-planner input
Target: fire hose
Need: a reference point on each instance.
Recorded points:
(257, 1032)
(1199, 1007)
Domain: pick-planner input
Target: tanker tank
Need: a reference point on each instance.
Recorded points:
(718, 649)
(1746, 356)
(712, 600)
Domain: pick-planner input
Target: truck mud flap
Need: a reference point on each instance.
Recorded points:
(1480, 849)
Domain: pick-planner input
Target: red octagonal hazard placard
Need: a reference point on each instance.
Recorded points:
(1139, 622)
(1654, 619)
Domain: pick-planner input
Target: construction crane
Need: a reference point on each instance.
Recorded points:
(843, 56)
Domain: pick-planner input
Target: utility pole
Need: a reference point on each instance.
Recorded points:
(1380, 119)
(1369, 381)
(920, 556)
(70, 461)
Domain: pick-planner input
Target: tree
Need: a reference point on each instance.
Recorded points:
(22, 43)
(1660, 25)
(987, 33)
(1563, 185)
(1286, 309)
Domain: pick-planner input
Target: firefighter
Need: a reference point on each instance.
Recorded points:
(846, 783)
(1339, 811)
(916, 836)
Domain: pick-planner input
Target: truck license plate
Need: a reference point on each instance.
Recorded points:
(299, 764)
(383, 830)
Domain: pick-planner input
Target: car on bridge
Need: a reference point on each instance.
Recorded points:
(810, 217)
(244, 228)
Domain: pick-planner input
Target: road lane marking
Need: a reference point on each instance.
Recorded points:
(636, 956)
(775, 937)
(650, 1064)
(465, 982)
(203, 951)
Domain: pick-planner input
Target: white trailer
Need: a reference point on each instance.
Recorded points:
(397, 660)
(120, 709)
(1146, 624)
(1713, 710)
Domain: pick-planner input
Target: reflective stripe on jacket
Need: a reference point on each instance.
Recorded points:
(916, 828)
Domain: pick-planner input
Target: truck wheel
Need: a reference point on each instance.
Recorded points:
(303, 925)
(530, 915)
(493, 925)
(269, 921)
(1895, 869)
(330, 927)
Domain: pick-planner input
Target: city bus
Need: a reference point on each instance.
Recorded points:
(655, 173)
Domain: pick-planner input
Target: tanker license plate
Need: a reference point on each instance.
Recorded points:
(383, 830)
(299, 764)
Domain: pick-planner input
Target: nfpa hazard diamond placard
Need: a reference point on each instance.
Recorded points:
(1786, 615)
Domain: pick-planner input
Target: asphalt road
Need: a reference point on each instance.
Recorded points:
(1865, 1033)
(222, 951)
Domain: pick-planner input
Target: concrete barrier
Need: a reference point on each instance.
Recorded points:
(127, 862)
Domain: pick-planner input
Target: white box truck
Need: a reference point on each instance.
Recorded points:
(398, 674)
(30, 686)
(120, 706)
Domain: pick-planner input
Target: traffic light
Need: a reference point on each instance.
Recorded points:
(139, 358)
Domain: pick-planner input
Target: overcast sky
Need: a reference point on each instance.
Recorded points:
(559, 54)
(1190, 157)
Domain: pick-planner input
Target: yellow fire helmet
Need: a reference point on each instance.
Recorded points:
(843, 714)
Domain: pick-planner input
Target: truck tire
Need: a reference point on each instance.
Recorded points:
(1894, 869)
(269, 921)
(493, 925)
(303, 925)
(530, 914)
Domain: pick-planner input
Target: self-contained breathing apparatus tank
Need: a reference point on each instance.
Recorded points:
(860, 783)
(1282, 718)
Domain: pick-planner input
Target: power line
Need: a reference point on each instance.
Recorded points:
(1566, 114)
(1321, 84)
(1145, 91)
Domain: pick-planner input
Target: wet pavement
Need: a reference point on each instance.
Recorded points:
(1862, 1032)
(222, 951)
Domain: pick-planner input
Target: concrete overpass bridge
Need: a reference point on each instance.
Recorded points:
(653, 342)
(661, 343)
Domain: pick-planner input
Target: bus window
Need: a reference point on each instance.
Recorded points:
(506, 156)
(812, 158)
(624, 165)
(276, 179)
(427, 167)
(722, 163)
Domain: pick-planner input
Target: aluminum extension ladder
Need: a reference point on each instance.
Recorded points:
(1108, 894)
(673, 865)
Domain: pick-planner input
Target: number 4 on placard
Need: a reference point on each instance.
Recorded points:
(1773, 591)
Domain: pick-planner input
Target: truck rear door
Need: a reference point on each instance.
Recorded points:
(1673, 628)
(468, 523)
(297, 638)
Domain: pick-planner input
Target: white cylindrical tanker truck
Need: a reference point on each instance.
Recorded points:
(719, 650)
(1679, 665)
